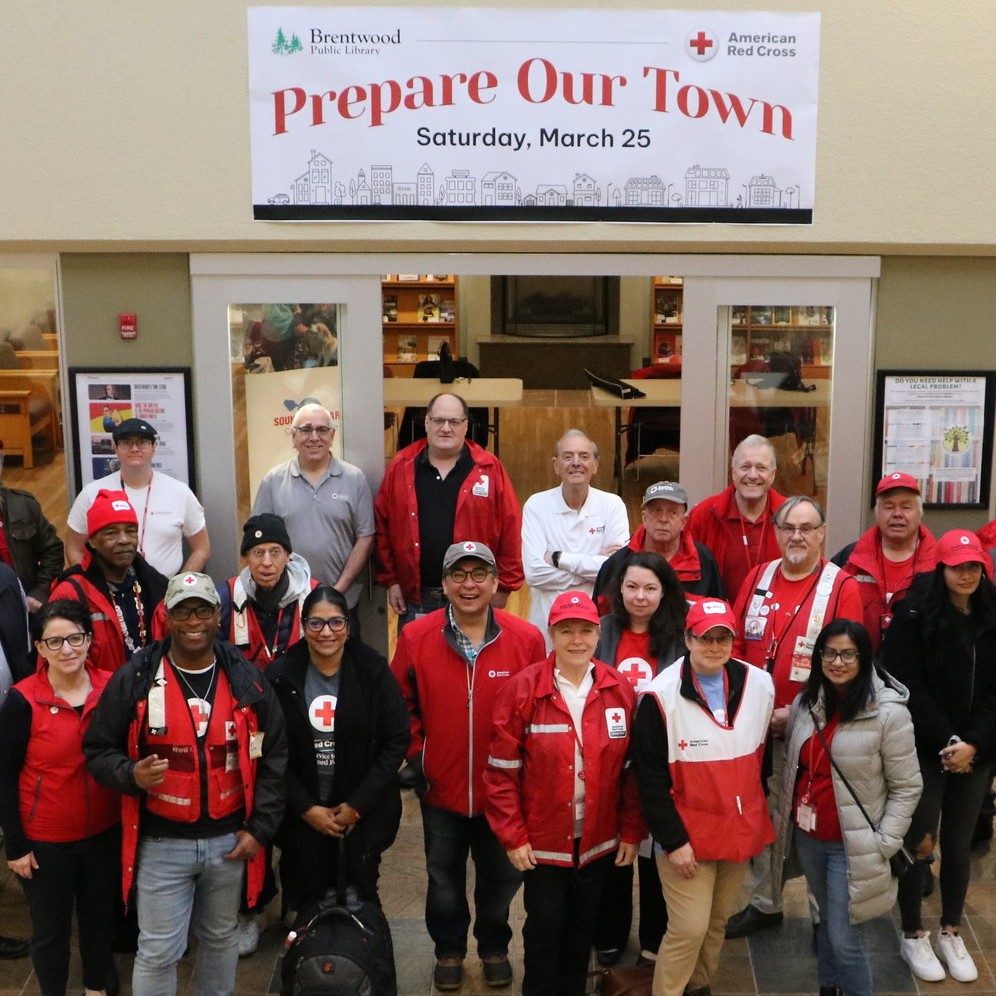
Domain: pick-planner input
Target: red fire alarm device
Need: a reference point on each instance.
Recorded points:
(128, 325)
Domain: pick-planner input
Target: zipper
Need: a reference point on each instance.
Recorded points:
(34, 805)
(470, 737)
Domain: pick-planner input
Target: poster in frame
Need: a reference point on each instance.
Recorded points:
(937, 425)
(103, 397)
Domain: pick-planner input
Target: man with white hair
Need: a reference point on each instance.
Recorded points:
(569, 531)
(325, 503)
(737, 524)
(887, 557)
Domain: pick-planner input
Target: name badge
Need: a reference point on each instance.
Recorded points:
(802, 660)
(615, 723)
(482, 487)
(157, 707)
(805, 817)
(754, 627)
(256, 746)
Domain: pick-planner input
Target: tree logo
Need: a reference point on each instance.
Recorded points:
(281, 46)
(956, 438)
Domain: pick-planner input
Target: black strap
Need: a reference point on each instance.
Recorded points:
(847, 784)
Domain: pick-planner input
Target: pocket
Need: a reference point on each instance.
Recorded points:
(22, 531)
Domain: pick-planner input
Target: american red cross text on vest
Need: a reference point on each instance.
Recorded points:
(701, 42)
(325, 713)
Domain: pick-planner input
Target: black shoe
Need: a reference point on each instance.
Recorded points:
(750, 920)
(607, 957)
(11, 947)
(497, 971)
(448, 974)
(407, 776)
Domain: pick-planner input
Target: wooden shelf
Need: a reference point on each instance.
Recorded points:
(667, 301)
(417, 306)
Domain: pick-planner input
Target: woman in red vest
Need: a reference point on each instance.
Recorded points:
(62, 828)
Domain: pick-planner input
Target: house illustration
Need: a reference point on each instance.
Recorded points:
(707, 186)
(500, 188)
(761, 192)
(587, 193)
(314, 185)
(551, 195)
(459, 188)
(381, 184)
(425, 185)
(644, 191)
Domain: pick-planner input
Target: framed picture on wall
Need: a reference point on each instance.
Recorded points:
(102, 398)
(938, 426)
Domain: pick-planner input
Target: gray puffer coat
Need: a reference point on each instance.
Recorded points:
(876, 753)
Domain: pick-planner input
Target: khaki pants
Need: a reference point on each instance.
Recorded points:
(698, 909)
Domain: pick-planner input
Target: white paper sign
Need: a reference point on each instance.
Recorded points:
(532, 115)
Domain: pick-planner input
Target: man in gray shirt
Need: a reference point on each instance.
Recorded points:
(326, 504)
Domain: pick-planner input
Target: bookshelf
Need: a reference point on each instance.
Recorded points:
(666, 318)
(418, 313)
(802, 331)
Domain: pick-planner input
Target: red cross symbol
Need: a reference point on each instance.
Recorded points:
(616, 717)
(199, 715)
(592, 531)
(325, 714)
(189, 579)
(682, 744)
(700, 42)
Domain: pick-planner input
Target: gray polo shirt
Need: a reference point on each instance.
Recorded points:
(324, 523)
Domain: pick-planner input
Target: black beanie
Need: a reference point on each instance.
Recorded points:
(264, 528)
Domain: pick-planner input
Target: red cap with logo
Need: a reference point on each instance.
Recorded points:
(108, 509)
(897, 479)
(959, 546)
(572, 605)
(709, 612)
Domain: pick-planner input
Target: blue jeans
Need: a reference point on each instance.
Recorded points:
(185, 883)
(449, 838)
(842, 958)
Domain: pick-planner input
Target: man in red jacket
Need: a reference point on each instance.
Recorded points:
(450, 665)
(782, 607)
(438, 491)
(891, 553)
(737, 524)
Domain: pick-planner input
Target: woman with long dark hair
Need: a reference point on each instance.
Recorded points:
(62, 829)
(644, 633)
(347, 731)
(942, 646)
(849, 788)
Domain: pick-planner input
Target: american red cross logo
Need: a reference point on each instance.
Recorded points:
(189, 579)
(682, 744)
(701, 42)
(592, 531)
(616, 717)
(200, 713)
(322, 713)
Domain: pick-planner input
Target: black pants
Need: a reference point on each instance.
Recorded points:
(954, 801)
(615, 912)
(310, 867)
(561, 908)
(85, 874)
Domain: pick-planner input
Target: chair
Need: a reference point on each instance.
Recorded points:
(28, 406)
(413, 420)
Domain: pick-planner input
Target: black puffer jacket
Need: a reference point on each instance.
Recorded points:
(951, 675)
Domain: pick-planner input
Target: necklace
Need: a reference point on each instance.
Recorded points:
(212, 667)
(136, 591)
(145, 515)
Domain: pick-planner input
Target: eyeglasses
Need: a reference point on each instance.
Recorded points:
(478, 574)
(313, 430)
(184, 612)
(135, 443)
(828, 656)
(453, 423)
(74, 640)
(720, 641)
(336, 624)
(787, 529)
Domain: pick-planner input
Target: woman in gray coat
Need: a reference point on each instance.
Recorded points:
(857, 716)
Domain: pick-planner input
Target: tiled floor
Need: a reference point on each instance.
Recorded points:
(774, 961)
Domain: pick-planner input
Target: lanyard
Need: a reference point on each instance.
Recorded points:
(136, 591)
(145, 515)
(751, 562)
(814, 759)
(776, 640)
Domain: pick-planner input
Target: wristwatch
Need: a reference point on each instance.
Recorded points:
(555, 557)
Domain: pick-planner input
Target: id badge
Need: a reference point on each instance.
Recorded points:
(883, 620)
(256, 746)
(754, 627)
(231, 760)
(802, 660)
(805, 817)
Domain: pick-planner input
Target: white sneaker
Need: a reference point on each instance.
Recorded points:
(954, 955)
(919, 955)
(248, 935)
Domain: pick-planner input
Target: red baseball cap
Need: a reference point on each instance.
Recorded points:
(959, 546)
(897, 480)
(709, 612)
(572, 605)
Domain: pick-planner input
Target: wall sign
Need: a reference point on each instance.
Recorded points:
(104, 398)
(533, 115)
(938, 426)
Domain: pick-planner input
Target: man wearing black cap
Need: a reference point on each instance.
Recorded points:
(168, 511)
(261, 606)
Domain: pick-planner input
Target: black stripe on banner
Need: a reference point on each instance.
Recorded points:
(402, 212)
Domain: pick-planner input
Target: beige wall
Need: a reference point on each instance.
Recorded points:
(132, 132)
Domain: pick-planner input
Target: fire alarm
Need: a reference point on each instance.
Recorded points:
(128, 325)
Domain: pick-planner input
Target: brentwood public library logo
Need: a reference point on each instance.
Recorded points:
(281, 46)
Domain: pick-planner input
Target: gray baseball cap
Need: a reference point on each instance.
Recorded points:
(190, 585)
(668, 491)
(468, 548)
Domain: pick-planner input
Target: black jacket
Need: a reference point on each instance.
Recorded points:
(952, 683)
(34, 545)
(14, 626)
(105, 742)
(371, 737)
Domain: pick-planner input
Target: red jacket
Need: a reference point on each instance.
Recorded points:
(987, 535)
(844, 603)
(107, 650)
(451, 704)
(487, 511)
(865, 565)
(716, 522)
(59, 799)
(530, 774)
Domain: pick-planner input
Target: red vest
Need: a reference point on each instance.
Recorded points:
(178, 796)
(245, 632)
(59, 800)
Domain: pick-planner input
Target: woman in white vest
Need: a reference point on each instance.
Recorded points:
(698, 741)
(849, 788)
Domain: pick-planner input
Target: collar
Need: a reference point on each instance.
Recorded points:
(333, 470)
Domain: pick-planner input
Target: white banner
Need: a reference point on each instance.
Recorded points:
(533, 115)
